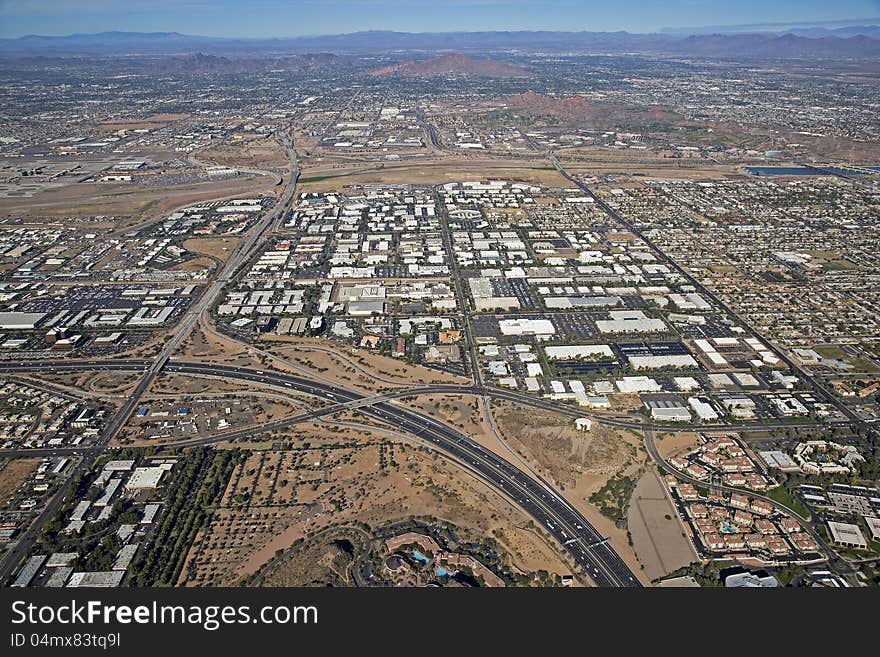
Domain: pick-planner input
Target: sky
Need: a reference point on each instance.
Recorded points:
(287, 18)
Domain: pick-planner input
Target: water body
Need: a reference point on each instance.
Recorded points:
(418, 556)
(784, 171)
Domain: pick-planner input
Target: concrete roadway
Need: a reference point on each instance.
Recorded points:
(537, 498)
(560, 519)
(532, 494)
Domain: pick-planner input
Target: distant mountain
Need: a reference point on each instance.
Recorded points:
(582, 111)
(108, 42)
(453, 64)
(769, 46)
(872, 31)
(201, 63)
(535, 103)
(746, 46)
(815, 29)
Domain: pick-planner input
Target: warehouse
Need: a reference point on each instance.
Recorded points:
(526, 327)
(20, 321)
(671, 413)
(145, 478)
(366, 308)
(588, 351)
(703, 409)
(630, 321)
(656, 362)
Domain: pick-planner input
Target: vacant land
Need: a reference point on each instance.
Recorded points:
(205, 345)
(130, 204)
(277, 497)
(675, 443)
(13, 474)
(658, 537)
(358, 368)
(325, 176)
(152, 122)
(578, 463)
(254, 153)
(215, 247)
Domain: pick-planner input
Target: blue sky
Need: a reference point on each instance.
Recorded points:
(279, 18)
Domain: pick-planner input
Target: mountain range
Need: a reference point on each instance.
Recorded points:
(452, 64)
(740, 45)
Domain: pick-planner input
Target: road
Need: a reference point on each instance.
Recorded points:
(243, 251)
(589, 550)
(534, 495)
(537, 498)
(817, 385)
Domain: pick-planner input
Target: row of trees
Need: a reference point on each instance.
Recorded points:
(198, 486)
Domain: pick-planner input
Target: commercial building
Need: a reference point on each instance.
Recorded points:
(847, 535)
(630, 321)
(523, 326)
(15, 321)
(147, 477)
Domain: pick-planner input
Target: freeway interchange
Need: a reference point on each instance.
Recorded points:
(585, 545)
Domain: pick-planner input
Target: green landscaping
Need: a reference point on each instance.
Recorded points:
(782, 495)
(613, 498)
(198, 486)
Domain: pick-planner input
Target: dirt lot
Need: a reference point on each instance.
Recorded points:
(200, 263)
(658, 537)
(328, 175)
(595, 161)
(255, 153)
(182, 384)
(132, 204)
(279, 496)
(578, 463)
(674, 443)
(153, 122)
(13, 474)
(215, 247)
(357, 368)
(212, 348)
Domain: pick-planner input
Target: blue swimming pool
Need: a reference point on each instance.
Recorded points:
(418, 556)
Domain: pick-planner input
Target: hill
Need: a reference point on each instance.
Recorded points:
(453, 64)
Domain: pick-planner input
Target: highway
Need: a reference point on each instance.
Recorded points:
(535, 496)
(24, 367)
(531, 493)
(243, 251)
